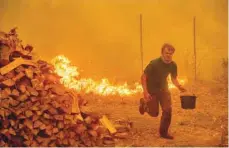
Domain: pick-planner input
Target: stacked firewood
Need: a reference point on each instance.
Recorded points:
(35, 109)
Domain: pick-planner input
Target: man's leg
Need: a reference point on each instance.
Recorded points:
(151, 107)
(166, 105)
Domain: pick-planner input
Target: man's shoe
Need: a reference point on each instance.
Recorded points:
(141, 106)
(167, 136)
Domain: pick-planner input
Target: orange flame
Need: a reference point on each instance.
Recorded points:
(70, 78)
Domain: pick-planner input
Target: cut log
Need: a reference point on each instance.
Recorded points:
(8, 83)
(18, 76)
(80, 128)
(35, 132)
(35, 83)
(93, 133)
(55, 104)
(10, 75)
(20, 69)
(34, 144)
(42, 127)
(32, 91)
(44, 107)
(108, 142)
(38, 112)
(28, 142)
(15, 93)
(43, 93)
(2, 113)
(6, 92)
(35, 108)
(123, 135)
(52, 144)
(60, 125)
(88, 120)
(22, 97)
(37, 124)
(34, 99)
(48, 132)
(5, 104)
(35, 117)
(13, 102)
(122, 128)
(22, 88)
(47, 116)
(12, 123)
(28, 123)
(58, 89)
(52, 111)
(2, 78)
(6, 124)
(59, 117)
(72, 134)
(29, 73)
(28, 113)
(72, 142)
(55, 130)
(60, 135)
(21, 116)
(65, 142)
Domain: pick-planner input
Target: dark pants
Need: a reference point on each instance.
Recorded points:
(152, 108)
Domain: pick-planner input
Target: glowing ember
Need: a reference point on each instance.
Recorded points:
(69, 77)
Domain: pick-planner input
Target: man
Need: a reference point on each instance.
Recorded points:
(155, 88)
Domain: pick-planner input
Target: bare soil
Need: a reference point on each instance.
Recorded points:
(206, 125)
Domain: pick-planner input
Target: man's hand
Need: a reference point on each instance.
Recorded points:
(181, 88)
(147, 96)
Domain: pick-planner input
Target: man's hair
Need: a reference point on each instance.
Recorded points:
(168, 46)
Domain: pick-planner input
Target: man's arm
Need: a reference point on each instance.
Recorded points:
(174, 78)
(177, 84)
(144, 83)
(146, 94)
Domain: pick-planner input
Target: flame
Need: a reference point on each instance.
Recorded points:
(70, 78)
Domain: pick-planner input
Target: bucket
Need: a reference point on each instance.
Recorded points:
(188, 102)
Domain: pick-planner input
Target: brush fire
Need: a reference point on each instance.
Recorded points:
(41, 102)
(69, 78)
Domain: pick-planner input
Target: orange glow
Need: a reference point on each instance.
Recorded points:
(70, 78)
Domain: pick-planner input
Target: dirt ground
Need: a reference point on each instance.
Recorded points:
(207, 125)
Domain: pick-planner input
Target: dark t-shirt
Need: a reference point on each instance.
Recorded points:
(157, 72)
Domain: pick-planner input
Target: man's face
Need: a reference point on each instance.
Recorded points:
(167, 55)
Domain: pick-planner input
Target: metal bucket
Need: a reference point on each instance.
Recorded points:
(188, 102)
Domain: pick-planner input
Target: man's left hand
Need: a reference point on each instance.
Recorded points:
(182, 89)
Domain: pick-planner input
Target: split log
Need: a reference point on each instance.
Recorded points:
(18, 76)
(15, 93)
(8, 83)
(29, 73)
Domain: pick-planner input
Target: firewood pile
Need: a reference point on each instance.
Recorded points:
(36, 110)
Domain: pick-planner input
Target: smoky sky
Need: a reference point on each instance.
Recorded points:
(102, 37)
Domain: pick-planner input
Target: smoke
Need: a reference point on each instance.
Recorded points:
(102, 37)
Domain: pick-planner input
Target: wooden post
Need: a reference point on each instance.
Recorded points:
(141, 45)
(194, 42)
